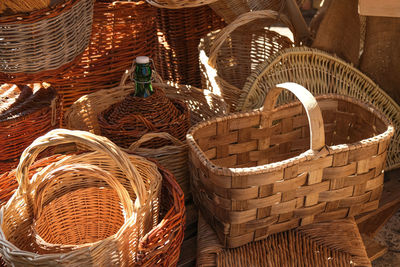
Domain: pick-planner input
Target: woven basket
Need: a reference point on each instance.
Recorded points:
(173, 4)
(321, 73)
(45, 39)
(24, 122)
(179, 33)
(83, 115)
(336, 243)
(138, 176)
(271, 170)
(228, 56)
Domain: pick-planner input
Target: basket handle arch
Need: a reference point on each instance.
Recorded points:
(94, 142)
(240, 21)
(89, 171)
(149, 136)
(314, 115)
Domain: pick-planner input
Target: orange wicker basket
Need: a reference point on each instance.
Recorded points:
(274, 169)
(45, 39)
(179, 33)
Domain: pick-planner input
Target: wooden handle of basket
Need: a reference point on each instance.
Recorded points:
(150, 136)
(128, 73)
(240, 21)
(95, 142)
(88, 171)
(317, 133)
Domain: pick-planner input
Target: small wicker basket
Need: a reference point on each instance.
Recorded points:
(274, 169)
(228, 56)
(45, 39)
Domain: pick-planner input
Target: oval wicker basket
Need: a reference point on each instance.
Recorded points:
(83, 115)
(45, 39)
(139, 177)
(174, 4)
(271, 170)
(321, 73)
(228, 56)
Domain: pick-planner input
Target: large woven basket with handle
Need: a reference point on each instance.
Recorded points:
(274, 169)
(83, 115)
(321, 73)
(45, 39)
(23, 218)
(228, 56)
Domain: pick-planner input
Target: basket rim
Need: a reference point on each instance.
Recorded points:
(309, 154)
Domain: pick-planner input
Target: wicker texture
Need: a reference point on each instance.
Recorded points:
(45, 39)
(179, 33)
(26, 114)
(321, 73)
(173, 4)
(138, 176)
(336, 243)
(271, 170)
(228, 56)
(125, 122)
(203, 105)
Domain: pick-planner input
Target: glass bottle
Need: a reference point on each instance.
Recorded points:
(143, 75)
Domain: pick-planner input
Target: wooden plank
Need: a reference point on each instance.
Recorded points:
(373, 248)
(382, 8)
(188, 253)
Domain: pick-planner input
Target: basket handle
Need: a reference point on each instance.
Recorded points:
(316, 124)
(240, 21)
(89, 171)
(95, 142)
(128, 73)
(149, 136)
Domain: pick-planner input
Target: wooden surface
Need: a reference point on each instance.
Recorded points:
(383, 8)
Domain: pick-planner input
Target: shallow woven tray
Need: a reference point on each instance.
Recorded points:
(337, 243)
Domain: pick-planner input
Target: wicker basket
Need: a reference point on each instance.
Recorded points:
(83, 115)
(24, 122)
(179, 33)
(138, 176)
(336, 243)
(228, 56)
(267, 171)
(321, 73)
(45, 39)
(173, 4)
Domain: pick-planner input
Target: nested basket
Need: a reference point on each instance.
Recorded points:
(28, 229)
(83, 115)
(179, 33)
(28, 118)
(274, 169)
(321, 73)
(46, 39)
(228, 56)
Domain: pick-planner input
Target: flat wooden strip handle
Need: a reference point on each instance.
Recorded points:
(316, 123)
(150, 136)
(89, 171)
(95, 142)
(240, 21)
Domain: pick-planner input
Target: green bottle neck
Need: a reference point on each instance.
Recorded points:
(143, 86)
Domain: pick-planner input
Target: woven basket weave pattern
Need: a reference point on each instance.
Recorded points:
(253, 175)
(45, 42)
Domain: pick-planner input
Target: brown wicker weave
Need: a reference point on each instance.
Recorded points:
(228, 56)
(45, 39)
(271, 170)
(203, 105)
(336, 243)
(179, 33)
(321, 73)
(138, 176)
(174, 4)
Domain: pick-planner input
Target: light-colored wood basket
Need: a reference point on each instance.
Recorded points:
(139, 177)
(45, 39)
(274, 169)
(228, 56)
(321, 73)
(83, 115)
(174, 4)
